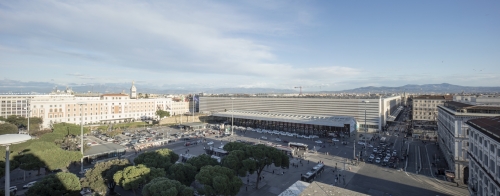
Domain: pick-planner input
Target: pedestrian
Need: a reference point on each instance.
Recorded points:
(273, 171)
(246, 188)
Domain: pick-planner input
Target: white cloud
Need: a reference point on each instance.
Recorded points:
(202, 38)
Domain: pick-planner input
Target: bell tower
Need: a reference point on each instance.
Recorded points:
(133, 91)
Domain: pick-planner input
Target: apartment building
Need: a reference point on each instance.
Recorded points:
(453, 137)
(425, 107)
(484, 156)
(104, 109)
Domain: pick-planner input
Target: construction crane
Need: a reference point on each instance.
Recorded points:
(300, 87)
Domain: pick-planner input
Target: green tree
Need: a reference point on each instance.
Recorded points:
(254, 158)
(100, 178)
(218, 180)
(162, 158)
(184, 173)
(31, 162)
(132, 177)
(62, 183)
(43, 154)
(8, 128)
(202, 160)
(22, 122)
(166, 187)
(162, 113)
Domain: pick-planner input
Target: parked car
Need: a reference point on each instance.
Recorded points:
(377, 160)
(335, 140)
(318, 142)
(264, 137)
(210, 143)
(278, 139)
(30, 184)
(13, 188)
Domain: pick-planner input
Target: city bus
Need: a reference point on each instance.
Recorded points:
(297, 145)
(311, 175)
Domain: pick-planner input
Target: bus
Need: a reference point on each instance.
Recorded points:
(311, 175)
(297, 145)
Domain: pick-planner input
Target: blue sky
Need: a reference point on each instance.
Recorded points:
(334, 45)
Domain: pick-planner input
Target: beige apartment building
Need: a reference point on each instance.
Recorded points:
(104, 109)
(425, 107)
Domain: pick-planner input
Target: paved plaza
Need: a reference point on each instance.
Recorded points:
(367, 178)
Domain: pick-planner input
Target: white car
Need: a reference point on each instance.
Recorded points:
(361, 143)
(370, 146)
(372, 156)
(335, 140)
(375, 149)
(314, 136)
(264, 137)
(318, 141)
(221, 146)
(30, 184)
(289, 134)
(278, 139)
(377, 160)
(307, 137)
(210, 143)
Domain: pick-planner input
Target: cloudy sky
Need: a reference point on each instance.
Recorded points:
(332, 45)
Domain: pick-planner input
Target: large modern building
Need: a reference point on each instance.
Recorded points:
(453, 138)
(379, 110)
(484, 156)
(491, 100)
(425, 107)
(103, 109)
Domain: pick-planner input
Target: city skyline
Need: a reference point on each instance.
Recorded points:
(251, 44)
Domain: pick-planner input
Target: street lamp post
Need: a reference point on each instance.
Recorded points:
(7, 140)
(28, 109)
(366, 128)
(232, 116)
(81, 134)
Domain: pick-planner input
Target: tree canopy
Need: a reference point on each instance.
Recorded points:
(162, 158)
(253, 158)
(62, 183)
(132, 177)
(8, 128)
(161, 113)
(165, 187)
(22, 122)
(100, 178)
(218, 180)
(202, 160)
(182, 172)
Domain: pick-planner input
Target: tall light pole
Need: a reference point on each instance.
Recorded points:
(366, 128)
(81, 134)
(232, 115)
(28, 109)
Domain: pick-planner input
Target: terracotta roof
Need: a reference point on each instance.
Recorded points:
(114, 95)
(489, 126)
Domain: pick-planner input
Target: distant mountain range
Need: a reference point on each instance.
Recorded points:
(425, 88)
(14, 86)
